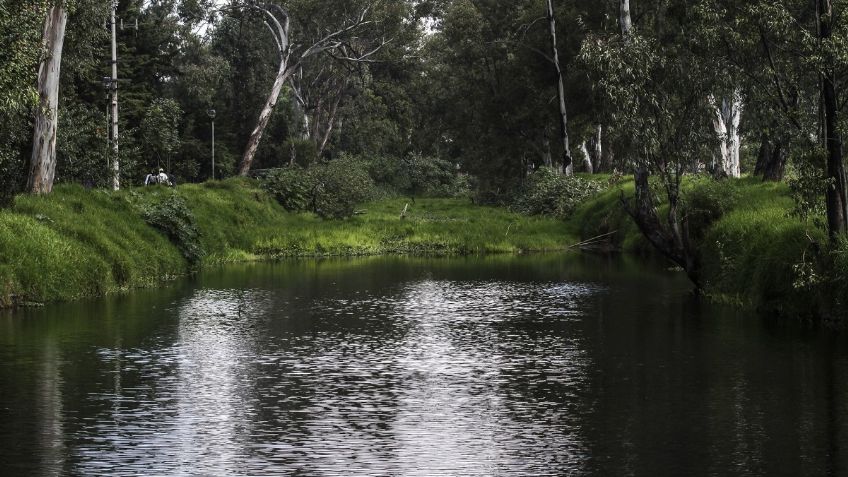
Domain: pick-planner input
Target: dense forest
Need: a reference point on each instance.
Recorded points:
(499, 94)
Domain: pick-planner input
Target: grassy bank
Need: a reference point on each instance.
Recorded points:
(77, 243)
(753, 250)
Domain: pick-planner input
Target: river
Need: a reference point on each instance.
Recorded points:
(544, 365)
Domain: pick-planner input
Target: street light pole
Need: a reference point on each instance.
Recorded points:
(116, 179)
(211, 114)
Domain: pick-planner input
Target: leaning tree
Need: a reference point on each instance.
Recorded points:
(345, 34)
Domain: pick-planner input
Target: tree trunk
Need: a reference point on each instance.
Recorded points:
(776, 167)
(673, 243)
(547, 157)
(771, 161)
(566, 148)
(763, 156)
(596, 149)
(587, 159)
(624, 19)
(607, 154)
(253, 142)
(837, 199)
(331, 123)
(43, 160)
(726, 121)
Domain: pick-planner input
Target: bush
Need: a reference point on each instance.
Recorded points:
(168, 213)
(419, 176)
(340, 186)
(291, 187)
(549, 193)
(331, 190)
(706, 201)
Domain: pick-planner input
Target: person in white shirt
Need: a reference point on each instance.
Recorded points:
(162, 178)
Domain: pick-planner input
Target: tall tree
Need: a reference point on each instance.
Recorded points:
(43, 161)
(727, 116)
(567, 166)
(837, 190)
(340, 41)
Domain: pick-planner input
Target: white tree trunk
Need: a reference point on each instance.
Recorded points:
(256, 136)
(587, 159)
(567, 166)
(726, 119)
(596, 149)
(43, 160)
(625, 19)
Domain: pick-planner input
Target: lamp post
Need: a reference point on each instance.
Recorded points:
(211, 114)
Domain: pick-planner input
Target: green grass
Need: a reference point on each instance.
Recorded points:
(752, 248)
(431, 226)
(77, 243)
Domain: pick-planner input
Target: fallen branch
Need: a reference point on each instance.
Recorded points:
(592, 240)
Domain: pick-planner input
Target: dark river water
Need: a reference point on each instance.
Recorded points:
(506, 366)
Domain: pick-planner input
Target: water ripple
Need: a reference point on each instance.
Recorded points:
(435, 378)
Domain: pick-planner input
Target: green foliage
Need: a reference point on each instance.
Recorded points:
(78, 243)
(21, 24)
(332, 190)
(292, 187)
(302, 152)
(418, 176)
(166, 211)
(758, 254)
(340, 186)
(706, 200)
(807, 184)
(81, 146)
(549, 193)
(752, 250)
(159, 131)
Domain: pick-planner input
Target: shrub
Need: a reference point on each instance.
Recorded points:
(331, 190)
(292, 188)
(806, 183)
(419, 176)
(168, 213)
(549, 193)
(340, 186)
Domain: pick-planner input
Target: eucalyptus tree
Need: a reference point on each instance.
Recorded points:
(657, 88)
(792, 55)
(567, 162)
(43, 160)
(339, 31)
(832, 39)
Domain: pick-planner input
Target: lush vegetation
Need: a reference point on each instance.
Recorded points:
(752, 248)
(544, 107)
(78, 243)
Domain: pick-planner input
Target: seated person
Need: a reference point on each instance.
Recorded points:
(162, 178)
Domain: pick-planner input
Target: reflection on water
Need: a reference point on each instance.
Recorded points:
(475, 367)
